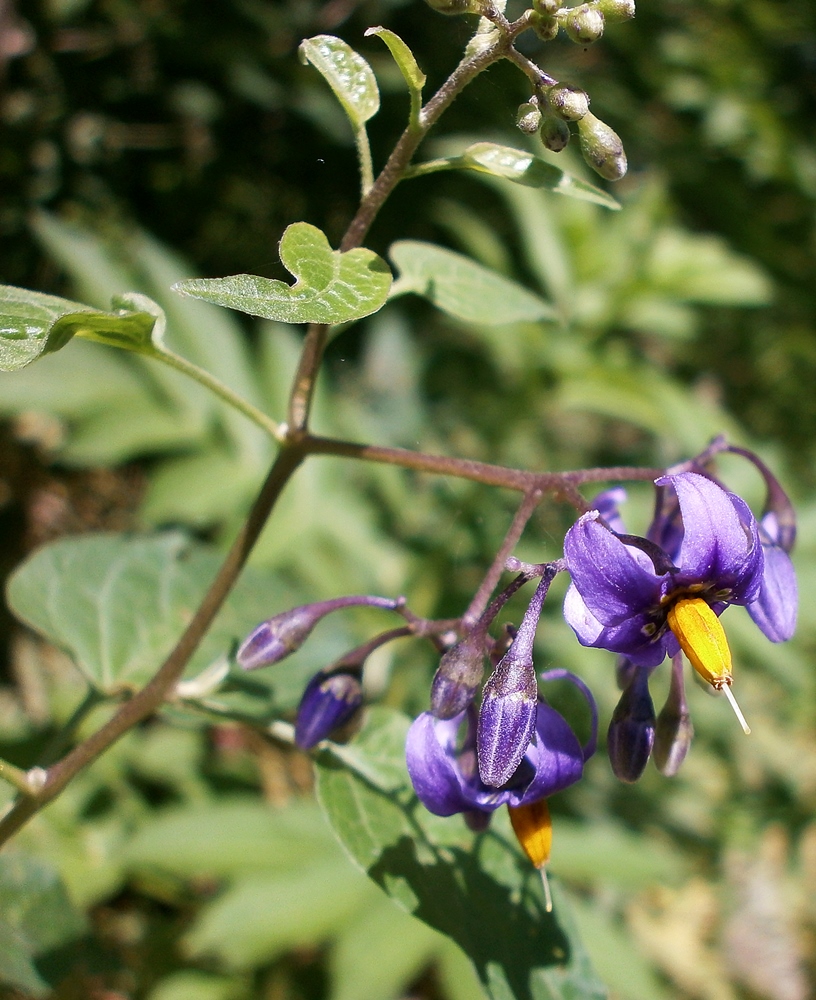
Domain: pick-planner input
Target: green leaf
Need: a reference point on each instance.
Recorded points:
(348, 75)
(331, 287)
(16, 967)
(117, 604)
(37, 917)
(32, 324)
(463, 288)
(403, 57)
(476, 889)
(521, 167)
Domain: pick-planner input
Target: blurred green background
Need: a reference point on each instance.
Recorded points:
(142, 140)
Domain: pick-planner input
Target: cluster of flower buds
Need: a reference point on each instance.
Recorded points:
(550, 113)
(583, 24)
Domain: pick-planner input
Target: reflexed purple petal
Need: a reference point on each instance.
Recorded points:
(719, 531)
(430, 755)
(607, 503)
(610, 576)
(327, 703)
(556, 755)
(558, 674)
(775, 609)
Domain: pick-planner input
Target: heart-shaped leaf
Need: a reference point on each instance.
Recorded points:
(477, 889)
(348, 75)
(331, 287)
(461, 287)
(32, 324)
(117, 604)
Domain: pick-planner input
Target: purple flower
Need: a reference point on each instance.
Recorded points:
(442, 763)
(704, 546)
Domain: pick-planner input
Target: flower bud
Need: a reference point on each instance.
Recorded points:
(458, 676)
(616, 10)
(546, 7)
(555, 133)
(528, 118)
(544, 25)
(508, 713)
(277, 637)
(568, 103)
(329, 701)
(601, 148)
(632, 729)
(583, 24)
(674, 731)
(506, 718)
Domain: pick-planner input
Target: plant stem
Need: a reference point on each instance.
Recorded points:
(479, 472)
(471, 66)
(364, 156)
(150, 697)
(17, 777)
(221, 390)
(480, 599)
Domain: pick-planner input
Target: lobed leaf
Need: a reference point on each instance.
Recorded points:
(462, 288)
(33, 324)
(476, 889)
(348, 75)
(330, 286)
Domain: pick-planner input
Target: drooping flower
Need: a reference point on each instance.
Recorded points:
(442, 762)
(646, 598)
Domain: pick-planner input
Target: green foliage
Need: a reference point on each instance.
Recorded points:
(462, 288)
(480, 891)
(36, 918)
(347, 73)
(32, 324)
(331, 287)
(135, 598)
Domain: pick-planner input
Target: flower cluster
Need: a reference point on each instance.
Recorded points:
(643, 598)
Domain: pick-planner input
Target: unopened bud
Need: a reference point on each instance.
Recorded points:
(568, 103)
(548, 7)
(329, 701)
(616, 10)
(458, 676)
(528, 118)
(583, 24)
(555, 133)
(674, 730)
(544, 25)
(277, 637)
(508, 713)
(632, 729)
(601, 148)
